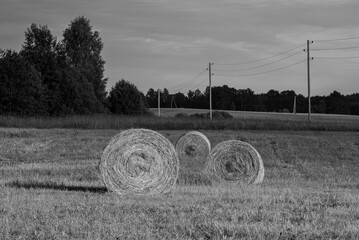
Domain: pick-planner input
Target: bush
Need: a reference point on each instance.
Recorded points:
(125, 98)
(215, 115)
(222, 115)
(181, 115)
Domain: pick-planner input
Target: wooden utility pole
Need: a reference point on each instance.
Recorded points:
(159, 103)
(295, 105)
(210, 89)
(308, 71)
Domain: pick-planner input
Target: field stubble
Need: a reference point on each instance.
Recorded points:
(50, 188)
(167, 121)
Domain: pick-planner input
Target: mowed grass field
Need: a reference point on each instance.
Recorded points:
(167, 121)
(50, 188)
(316, 117)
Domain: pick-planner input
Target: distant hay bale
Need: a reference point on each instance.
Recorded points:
(139, 161)
(193, 145)
(236, 162)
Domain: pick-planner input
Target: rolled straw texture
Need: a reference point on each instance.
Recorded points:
(139, 161)
(236, 162)
(193, 144)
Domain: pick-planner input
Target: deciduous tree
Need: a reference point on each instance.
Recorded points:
(21, 91)
(125, 98)
(39, 49)
(83, 48)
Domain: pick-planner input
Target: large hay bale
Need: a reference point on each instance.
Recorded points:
(193, 145)
(139, 161)
(236, 162)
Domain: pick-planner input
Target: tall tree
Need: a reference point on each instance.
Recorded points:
(244, 99)
(21, 91)
(286, 100)
(353, 103)
(39, 49)
(152, 98)
(180, 99)
(165, 98)
(337, 103)
(223, 97)
(273, 100)
(83, 48)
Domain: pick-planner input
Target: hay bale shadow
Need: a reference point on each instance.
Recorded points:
(55, 186)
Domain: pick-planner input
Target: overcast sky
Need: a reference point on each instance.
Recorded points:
(169, 43)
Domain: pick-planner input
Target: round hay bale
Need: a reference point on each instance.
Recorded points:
(236, 162)
(193, 145)
(139, 161)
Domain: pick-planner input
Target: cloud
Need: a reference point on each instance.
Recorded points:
(235, 46)
(187, 46)
(157, 46)
(147, 39)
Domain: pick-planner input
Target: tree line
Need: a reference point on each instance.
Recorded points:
(51, 78)
(48, 77)
(226, 98)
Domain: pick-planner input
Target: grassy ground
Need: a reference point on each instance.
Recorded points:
(242, 121)
(50, 188)
(171, 112)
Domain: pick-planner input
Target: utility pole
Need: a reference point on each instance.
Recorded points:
(159, 103)
(210, 90)
(308, 71)
(295, 104)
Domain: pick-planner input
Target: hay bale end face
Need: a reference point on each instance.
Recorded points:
(235, 162)
(139, 161)
(193, 144)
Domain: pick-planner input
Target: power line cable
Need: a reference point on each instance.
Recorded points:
(329, 58)
(190, 80)
(329, 49)
(245, 69)
(187, 83)
(195, 88)
(277, 69)
(262, 59)
(184, 86)
(336, 39)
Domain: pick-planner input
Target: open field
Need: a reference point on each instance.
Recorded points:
(171, 112)
(242, 121)
(50, 189)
